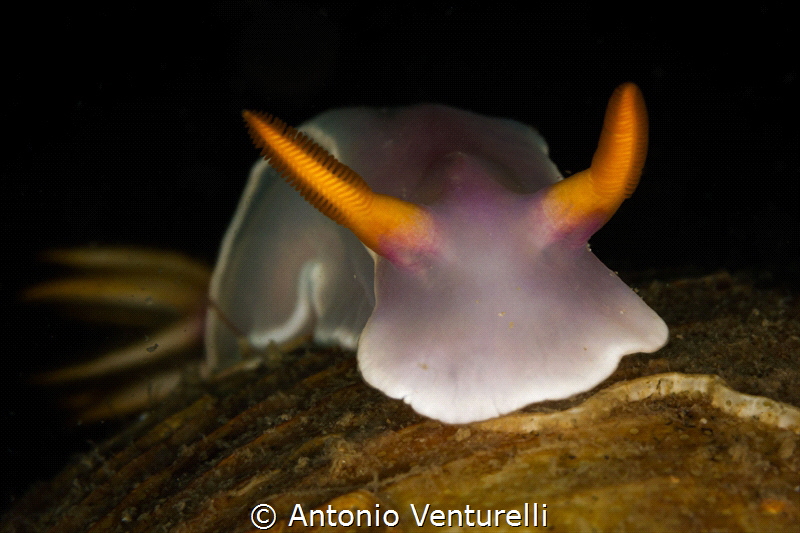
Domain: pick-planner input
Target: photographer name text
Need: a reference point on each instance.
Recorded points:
(531, 515)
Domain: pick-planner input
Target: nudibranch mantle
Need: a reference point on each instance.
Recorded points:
(474, 292)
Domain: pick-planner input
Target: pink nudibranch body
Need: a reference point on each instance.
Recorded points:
(460, 272)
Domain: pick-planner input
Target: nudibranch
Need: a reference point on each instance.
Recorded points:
(443, 246)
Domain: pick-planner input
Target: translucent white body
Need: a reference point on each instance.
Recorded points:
(503, 314)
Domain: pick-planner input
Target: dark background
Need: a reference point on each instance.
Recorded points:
(123, 127)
